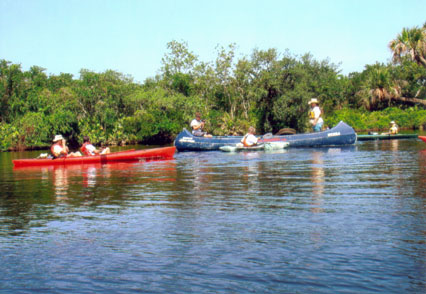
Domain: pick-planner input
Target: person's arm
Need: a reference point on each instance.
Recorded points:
(65, 149)
(92, 149)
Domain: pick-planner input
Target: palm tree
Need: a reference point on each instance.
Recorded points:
(380, 86)
(411, 43)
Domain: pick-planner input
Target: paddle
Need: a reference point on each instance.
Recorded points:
(265, 136)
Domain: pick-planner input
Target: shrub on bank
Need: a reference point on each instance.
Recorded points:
(361, 120)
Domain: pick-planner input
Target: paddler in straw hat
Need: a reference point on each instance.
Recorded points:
(315, 115)
(60, 148)
(393, 129)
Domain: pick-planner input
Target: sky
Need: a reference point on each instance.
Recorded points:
(131, 36)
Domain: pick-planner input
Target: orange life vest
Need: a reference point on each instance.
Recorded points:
(244, 141)
(84, 149)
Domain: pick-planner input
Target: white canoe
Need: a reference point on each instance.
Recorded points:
(266, 146)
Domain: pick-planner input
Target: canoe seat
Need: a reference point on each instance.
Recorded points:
(286, 131)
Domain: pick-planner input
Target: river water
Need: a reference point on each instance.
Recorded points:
(331, 220)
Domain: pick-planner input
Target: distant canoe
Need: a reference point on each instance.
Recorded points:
(122, 156)
(341, 134)
(386, 137)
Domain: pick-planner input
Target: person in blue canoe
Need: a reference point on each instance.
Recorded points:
(315, 113)
(197, 125)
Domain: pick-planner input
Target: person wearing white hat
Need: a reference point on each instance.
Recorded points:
(60, 149)
(315, 118)
(393, 129)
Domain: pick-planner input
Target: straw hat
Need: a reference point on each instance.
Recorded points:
(392, 122)
(57, 138)
(313, 100)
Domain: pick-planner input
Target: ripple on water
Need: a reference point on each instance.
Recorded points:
(329, 220)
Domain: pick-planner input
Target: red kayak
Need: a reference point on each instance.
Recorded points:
(423, 138)
(123, 156)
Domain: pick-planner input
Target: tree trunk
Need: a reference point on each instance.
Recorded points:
(410, 100)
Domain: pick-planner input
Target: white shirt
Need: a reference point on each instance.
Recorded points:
(57, 149)
(91, 149)
(195, 123)
(250, 139)
(198, 124)
(317, 114)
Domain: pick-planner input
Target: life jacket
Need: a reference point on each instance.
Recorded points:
(84, 149)
(244, 141)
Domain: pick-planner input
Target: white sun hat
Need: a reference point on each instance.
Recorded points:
(57, 138)
(313, 100)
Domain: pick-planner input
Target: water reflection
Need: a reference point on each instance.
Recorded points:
(394, 145)
(251, 169)
(317, 178)
(60, 183)
(295, 222)
(421, 191)
(199, 175)
(81, 185)
(89, 177)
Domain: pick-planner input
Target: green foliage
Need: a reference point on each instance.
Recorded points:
(267, 89)
(33, 129)
(362, 120)
(89, 127)
(159, 114)
(9, 136)
(229, 126)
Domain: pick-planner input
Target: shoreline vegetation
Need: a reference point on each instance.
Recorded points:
(267, 89)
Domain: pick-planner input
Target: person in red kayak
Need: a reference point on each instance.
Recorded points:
(89, 149)
(60, 149)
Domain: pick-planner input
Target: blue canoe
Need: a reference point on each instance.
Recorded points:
(342, 134)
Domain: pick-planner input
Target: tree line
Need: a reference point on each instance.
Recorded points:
(266, 89)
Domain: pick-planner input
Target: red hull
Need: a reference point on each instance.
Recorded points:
(123, 156)
(423, 138)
